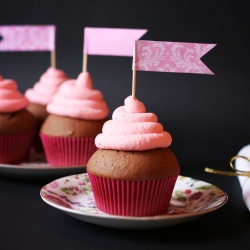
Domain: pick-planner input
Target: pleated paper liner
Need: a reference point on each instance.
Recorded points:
(67, 151)
(15, 148)
(132, 198)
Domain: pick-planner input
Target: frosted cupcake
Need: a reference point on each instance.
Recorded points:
(133, 172)
(41, 94)
(17, 124)
(43, 91)
(77, 113)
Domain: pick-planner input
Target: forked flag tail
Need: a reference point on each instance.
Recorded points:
(175, 57)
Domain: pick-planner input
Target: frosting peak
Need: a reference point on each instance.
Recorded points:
(77, 98)
(48, 84)
(11, 99)
(132, 129)
(133, 105)
(84, 80)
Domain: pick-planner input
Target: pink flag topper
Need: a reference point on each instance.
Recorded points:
(110, 41)
(170, 57)
(27, 38)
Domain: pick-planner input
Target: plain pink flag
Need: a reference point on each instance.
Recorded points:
(170, 57)
(27, 38)
(110, 41)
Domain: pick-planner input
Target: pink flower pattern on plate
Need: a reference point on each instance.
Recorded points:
(190, 196)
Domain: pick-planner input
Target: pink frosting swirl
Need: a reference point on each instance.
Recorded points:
(48, 84)
(11, 99)
(77, 98)
(132, 129)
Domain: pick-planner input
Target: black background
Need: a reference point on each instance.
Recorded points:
(207, 115)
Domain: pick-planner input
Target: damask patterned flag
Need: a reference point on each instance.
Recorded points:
(170, 57)
(27, 38)
(110, 41)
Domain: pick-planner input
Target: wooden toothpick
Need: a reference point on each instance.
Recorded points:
(84, 63)
(134, 84)
(53, 58)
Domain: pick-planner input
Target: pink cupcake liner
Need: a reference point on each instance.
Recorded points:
(67, 151)
(15, 148)
(132, 198)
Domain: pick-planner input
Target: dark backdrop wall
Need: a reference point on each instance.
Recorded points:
(207, 115)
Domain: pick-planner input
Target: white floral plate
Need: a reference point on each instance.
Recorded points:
(191, 199)
(38, 167)
(35, 169)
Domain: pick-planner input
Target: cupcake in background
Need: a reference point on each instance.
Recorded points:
(17, 125)
(133, 172)
(77, 113)
(40, 95)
